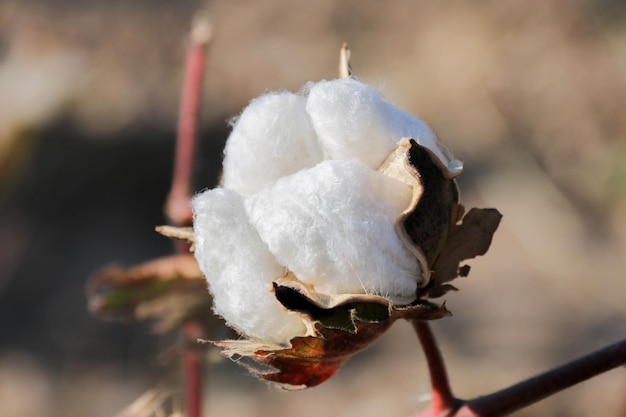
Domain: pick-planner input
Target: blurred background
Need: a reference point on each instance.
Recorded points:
(530, 95)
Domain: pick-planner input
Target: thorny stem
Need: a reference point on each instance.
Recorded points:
(443, 402)
(177, 207)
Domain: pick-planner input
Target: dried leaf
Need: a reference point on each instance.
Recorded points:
(429, 225)
(342, 311)
(342, 325)
(425, 224)
(180, 233)
(152, 403)
(310, 360)
(145, 405)
(166, 291)
(467, 240)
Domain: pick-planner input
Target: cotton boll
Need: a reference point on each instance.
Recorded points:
(239, 268)
(333, 227)
(272, 138)
(353, 120)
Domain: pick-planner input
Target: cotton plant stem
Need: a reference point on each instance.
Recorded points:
(443, 401)
(177, 206)
(518, 396)
(192, 369)
(532, 390)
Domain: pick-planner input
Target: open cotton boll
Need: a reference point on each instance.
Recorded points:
(333, 227)
(239, 268)
(272, 138)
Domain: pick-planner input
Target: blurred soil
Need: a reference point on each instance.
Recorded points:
(530, 95)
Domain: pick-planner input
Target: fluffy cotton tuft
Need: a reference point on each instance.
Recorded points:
(353, 120)
(333, 227)
(239, 268)
(272, 138)
(301, 194)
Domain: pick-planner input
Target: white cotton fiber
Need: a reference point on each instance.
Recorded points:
(301, 193)
(405, 125)
(333, 227)
(353, 120)
(272, 138)
(239, 268)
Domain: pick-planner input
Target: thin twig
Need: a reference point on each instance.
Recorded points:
(515, 397)
(177, 207)
(192, 368)
(443, 401)
(532, 390)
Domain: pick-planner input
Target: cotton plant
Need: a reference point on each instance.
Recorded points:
(337, 214)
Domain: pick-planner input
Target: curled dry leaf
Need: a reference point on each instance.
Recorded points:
(424, 225)
(180, 233)
(166, 291)
(154, 402)
(467, 240)
(341, 325)
(429, 225)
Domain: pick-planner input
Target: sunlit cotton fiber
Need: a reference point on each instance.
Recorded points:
(272, 138)
(239, 268)
(333, 227)
(353, 120)
(301, 194)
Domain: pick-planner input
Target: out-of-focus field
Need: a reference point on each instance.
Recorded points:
(530, 95)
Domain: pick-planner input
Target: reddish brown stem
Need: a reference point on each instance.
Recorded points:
(515, 397)
(443, 402)
(532, 390)
(177, 206)
(192, 369)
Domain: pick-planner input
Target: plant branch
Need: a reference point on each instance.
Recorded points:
(544, 385)
(192, 368)
(515, 397)
(443, 401)
(177, 207)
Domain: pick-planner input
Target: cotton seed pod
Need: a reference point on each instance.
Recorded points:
(333, 220)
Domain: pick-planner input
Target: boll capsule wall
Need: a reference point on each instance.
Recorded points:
(301, 194)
